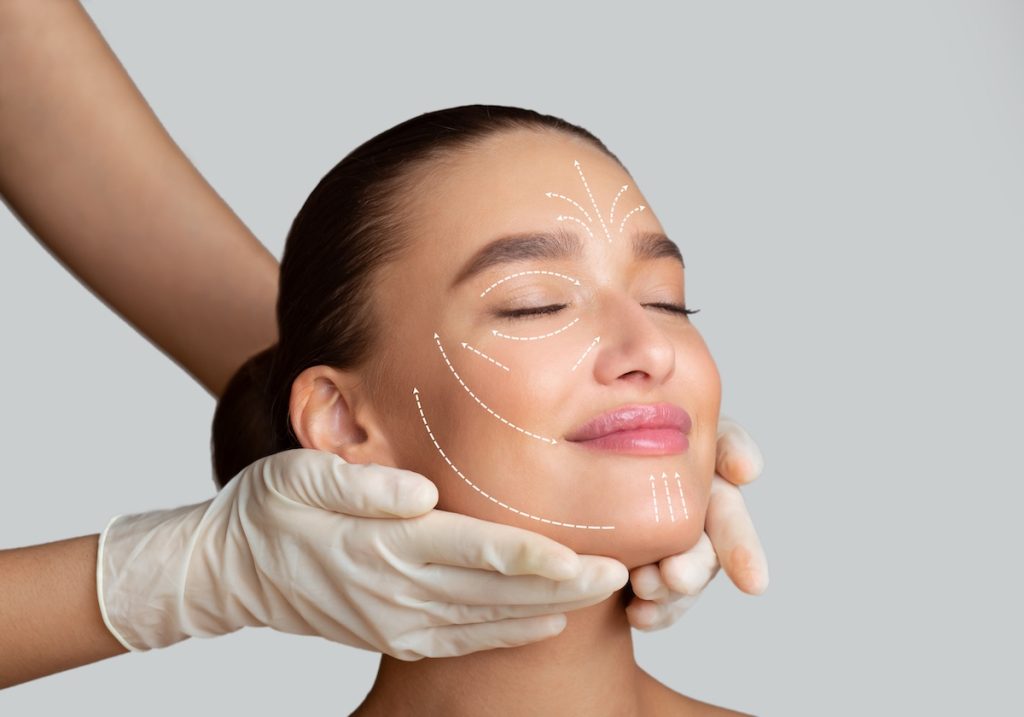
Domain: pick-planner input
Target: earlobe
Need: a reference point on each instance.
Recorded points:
(327, 414)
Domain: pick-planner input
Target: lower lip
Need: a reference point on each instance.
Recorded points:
(640, 442)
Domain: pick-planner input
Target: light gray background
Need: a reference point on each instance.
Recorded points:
(845, 180)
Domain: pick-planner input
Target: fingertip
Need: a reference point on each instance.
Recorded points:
(535, 554)
(557, 623)
(737, 468)
(752, 584)
(746, 573)
(642, 614)
(754, 458)
(603, 574)
(738, 457)
(414, 495)
(690, 572)
(758, 460)
(647, 582)
(562, 564)
(693, 579)
(535, 629)
(673, 573)
(424, 495)
(760, 584)
(618, 573)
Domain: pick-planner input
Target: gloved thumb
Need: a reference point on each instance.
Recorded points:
(324, 480)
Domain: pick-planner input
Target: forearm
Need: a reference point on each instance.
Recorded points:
(93, 174)
(49, 612)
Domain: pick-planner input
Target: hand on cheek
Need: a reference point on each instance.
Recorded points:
(663, 592)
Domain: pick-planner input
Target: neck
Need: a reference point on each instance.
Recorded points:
(588, 668)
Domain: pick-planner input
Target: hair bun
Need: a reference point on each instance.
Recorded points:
(242, 430)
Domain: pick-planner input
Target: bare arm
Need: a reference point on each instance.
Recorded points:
(92, 173)
(49, 615)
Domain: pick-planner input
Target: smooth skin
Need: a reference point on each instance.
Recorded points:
(162, 250)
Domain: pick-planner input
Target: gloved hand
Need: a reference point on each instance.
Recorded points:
(306, 543)
(663, 592)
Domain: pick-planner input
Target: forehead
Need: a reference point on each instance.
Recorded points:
(512, 170)
(515, 181)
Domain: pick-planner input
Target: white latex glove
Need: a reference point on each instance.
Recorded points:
(306, 543)
(665, 591)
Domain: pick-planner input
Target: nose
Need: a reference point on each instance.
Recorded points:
(633, 348)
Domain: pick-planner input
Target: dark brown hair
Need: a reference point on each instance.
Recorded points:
(351, 224)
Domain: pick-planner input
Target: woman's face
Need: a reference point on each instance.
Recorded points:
(535, 296)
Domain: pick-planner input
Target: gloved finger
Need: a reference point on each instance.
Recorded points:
(737, 457)
(647, 615)
(323, 480)
(457, 614)
(647, 583)
(643, 614)
(455, 640)
(685, 573)
(455, 539)
(732, 534)
(599, 578)
(689, 573)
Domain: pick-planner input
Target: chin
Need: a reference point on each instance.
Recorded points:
(640, 542)
(638, 535)
(655, 515)
(635, 510)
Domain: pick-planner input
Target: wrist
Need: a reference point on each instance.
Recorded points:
(141, 567)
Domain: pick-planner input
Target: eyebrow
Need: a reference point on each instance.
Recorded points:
(558, 244)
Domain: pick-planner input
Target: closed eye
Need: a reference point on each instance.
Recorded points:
(673, 308)
(555, 308)
(531, 311)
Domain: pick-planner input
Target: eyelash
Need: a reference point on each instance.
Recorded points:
(555, 308)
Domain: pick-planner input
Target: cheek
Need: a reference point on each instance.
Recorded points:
(493, 405)
(537, 377)
(701, 390)
(494, 442)
(703, 386)
(448, 423)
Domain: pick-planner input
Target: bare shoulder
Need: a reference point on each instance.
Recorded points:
(666, 701)
(697, 707)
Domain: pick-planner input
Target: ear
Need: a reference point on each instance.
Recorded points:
(329, 412)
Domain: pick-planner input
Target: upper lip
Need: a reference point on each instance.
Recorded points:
(631, 417)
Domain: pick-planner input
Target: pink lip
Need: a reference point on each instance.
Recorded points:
(639, 429)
